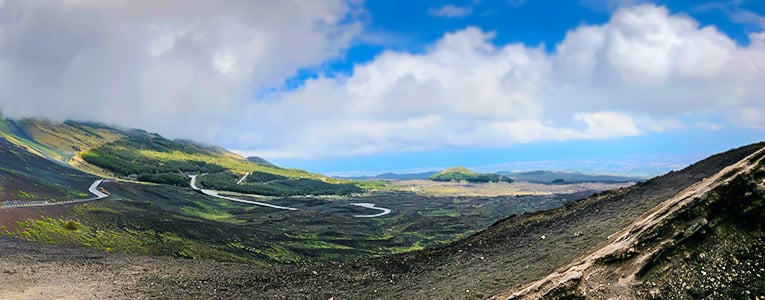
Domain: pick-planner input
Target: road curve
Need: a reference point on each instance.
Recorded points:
(215, 194)
(385, 211)
(93, 189)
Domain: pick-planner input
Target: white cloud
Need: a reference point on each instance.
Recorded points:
(641, 72)
(451, 11)
(180, 68)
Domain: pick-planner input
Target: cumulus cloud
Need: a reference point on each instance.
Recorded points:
(451, 11)
(180, 68)
(194, 70)
(644, 71)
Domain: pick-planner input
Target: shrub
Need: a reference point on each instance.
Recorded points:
(72, 225)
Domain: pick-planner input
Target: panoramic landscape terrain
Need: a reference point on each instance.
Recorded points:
(371, 149)
(142, 239)
(252, 211)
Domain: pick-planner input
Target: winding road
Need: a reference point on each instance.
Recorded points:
(98, 195)
(93, 189)
(216, 194)
(385, 211)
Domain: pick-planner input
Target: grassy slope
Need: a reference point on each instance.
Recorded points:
(58, 141)
(109, 152)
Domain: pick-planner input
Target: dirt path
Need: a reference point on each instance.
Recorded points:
(624, 243)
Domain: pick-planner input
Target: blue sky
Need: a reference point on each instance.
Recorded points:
(412, 27)
(647, 155)
(363, 87)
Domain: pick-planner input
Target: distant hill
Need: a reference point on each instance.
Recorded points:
(566, 177)
(464, 174)
(531, 176)
(260, 160)
(395, 176)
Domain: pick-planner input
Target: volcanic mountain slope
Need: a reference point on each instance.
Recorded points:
(28, 177)
(518, 254)
(706, 241)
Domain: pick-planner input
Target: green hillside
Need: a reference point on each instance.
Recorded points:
(143, 156)
(464, 174)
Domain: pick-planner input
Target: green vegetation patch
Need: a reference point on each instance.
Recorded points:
(276, 185)
(263, 177)
(122, 158)
(159, 160)
(440, 213)
(59, 231)
(176, 179)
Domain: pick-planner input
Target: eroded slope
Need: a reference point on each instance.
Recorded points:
(638, 261)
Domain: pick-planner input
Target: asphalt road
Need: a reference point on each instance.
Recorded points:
(385, 211)
(93, 189)
(216, 194)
